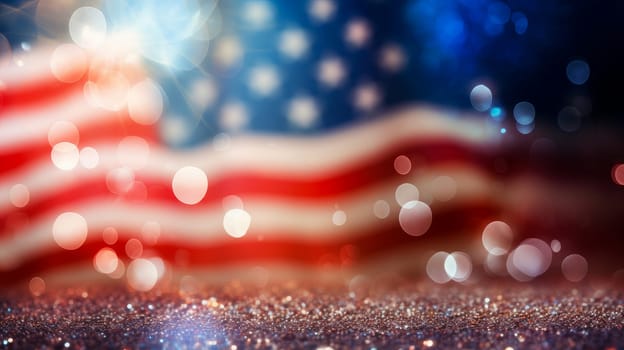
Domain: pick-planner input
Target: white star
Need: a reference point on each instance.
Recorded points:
(203, 93)
(366, 97)
(233, 116)
(259, 14)
(322, 10)
(392, 58)
(331, 71)
(228, 51)
(263, 80)
(357, 33)
(303, 112)
(294, 43)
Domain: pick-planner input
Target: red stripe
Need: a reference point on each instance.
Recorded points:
(377, 170)
(446, 223)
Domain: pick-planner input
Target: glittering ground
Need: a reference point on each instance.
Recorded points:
(406, 316)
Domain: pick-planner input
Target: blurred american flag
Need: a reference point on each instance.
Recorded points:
(129, 153)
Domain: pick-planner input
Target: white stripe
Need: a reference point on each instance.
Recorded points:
(270, 216)
(24, 125)
(278, 156)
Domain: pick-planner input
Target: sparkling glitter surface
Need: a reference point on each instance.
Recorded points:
(397, 316)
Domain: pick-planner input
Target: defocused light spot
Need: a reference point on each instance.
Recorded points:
(524, 113)
(87, 27)
(436, 269)
(293, 43)
(498, 12)
(339, 218)
(322, 10)
(150, 231)
(415, 218)
(109, 235)
(618, 174)
(63, 131)
(444, 188)
(331, 72)
(366, 97)
(392, 58)
(481, 98)
(574, 267)
(175, 130)
(233, 116)
(458, 266)
(496, 264)
(428, 343)
(569, 119)
(525, 129)
(160, 266)
(232, 202)
(531, 258)
(222, 142)
(105, 261)
(503, 130)
(555, 245)
(19, 195)
(145, 102)
(406, 192)
(68, 63)
(134, 248)
(190, 185)
(109, 90)
(69, 230)
(119, 271)
(520, 21)
(263, 80)
(133, 152)
(120, 180)
(303, 112)
(236, 222)
(37, 286)
(402, 165)
(203, 94)
(258, 14)
(65, 155)
(497, 237)
(497, 113)
(381, 209)
(357, 33)
(578, 72)
(142, 275)
(89, 157)
(228, 51)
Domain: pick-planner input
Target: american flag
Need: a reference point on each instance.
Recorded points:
(160, 143)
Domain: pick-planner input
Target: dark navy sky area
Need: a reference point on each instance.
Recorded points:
(518, 49)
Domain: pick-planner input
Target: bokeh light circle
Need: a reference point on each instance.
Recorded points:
(524, 113)
(436, 269)
(415, 218)
(497, 238)
(574, 267)
(87, 27)
(189, 185)
(578, 72)
(236, 222)
(70, 230)
(145, 102)
(142, 275)
(65, 155)
(481, 98)
(105, 261)
(68, 63)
